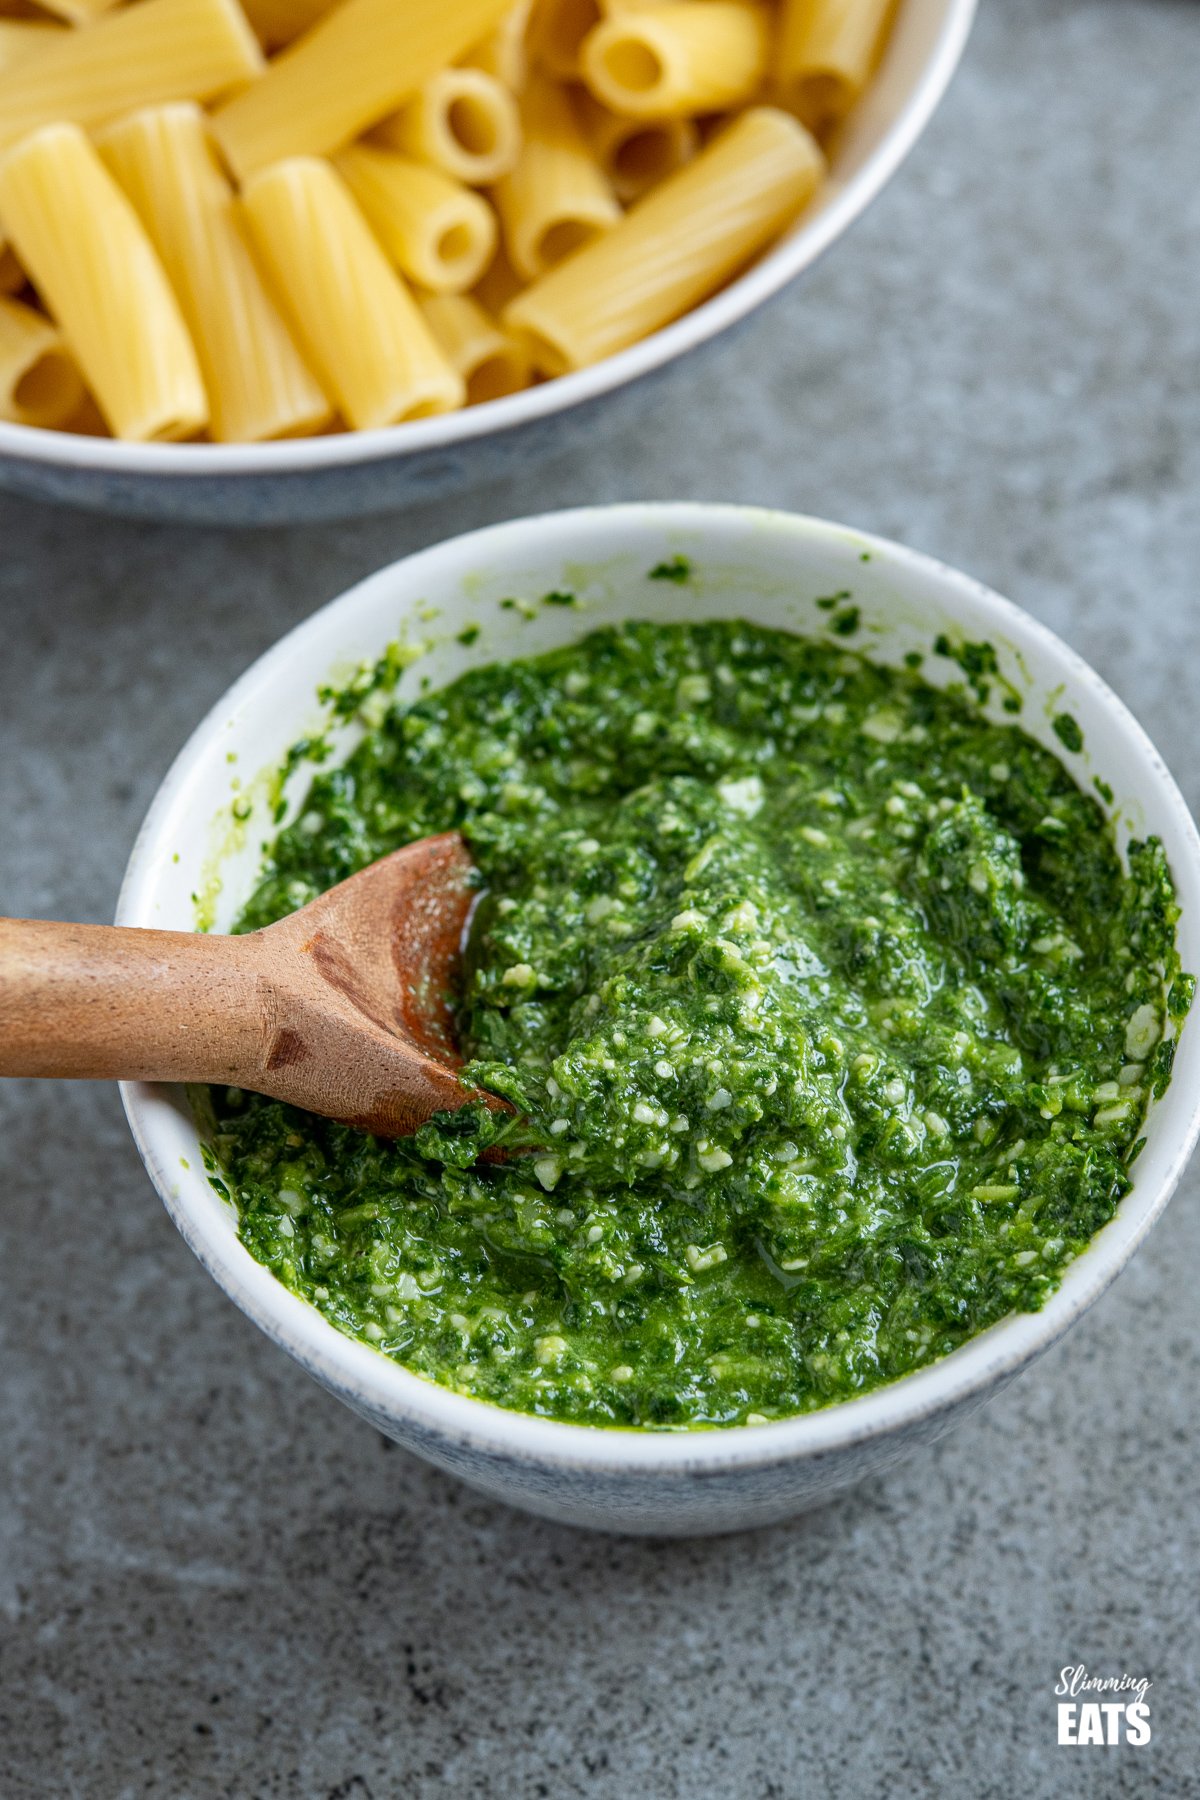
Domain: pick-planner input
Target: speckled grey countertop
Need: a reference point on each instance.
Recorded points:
(213, 1580)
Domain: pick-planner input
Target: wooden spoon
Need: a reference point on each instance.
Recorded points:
(341, 1008)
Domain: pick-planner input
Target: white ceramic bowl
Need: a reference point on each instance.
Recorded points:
(768, 567)
(374, 471)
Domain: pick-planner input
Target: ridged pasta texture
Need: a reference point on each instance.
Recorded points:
(356, 65)
(557, 197)
(155, 51)
(258, 383)
(95, 268)
(436, 231)
(359, 325)
(245, 220)
(675, 246)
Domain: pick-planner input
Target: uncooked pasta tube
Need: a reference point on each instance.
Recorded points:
(635, 154)
(490, 361)
(360, 327)
(258, 384)
(674, 247)
(93, 265)
(673, 61)
(39, 383)
(437, 232)
(156, 51)
(463, 121)
(557, 197)
(354, 66)
(825, 55)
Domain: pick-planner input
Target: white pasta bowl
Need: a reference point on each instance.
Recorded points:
(767, 567)
(339, 476)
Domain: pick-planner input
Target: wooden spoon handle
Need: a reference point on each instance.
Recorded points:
(110, 1003)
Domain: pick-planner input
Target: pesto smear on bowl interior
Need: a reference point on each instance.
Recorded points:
(828, 1008)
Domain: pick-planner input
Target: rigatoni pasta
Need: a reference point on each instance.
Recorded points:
(462, 121)
(355, 65)
(635, 154)
(826, 52)
(674, 247)
(258, 384)
(359, 325)
(94, 267)
(557, 197)
(677, 60)
(437, 232)
(554, 178)
(491, 362)
(155, 51)
(39, 383)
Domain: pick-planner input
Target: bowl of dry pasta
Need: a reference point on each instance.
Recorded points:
(299, 259)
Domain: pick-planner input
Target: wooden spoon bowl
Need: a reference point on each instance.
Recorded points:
(343, 1008)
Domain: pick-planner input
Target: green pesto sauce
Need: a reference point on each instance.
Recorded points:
(829, 1011)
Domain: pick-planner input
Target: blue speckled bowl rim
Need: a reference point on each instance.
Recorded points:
(298, 456)
(382, 1388)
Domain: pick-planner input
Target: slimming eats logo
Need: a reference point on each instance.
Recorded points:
(1083, 1719)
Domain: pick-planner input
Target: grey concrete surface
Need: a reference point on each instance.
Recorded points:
(213, 1580)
